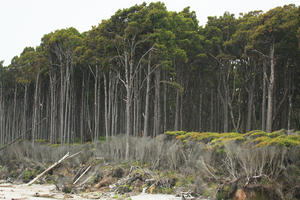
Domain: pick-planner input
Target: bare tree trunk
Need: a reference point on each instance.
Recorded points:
(35, 107)
(181, 111)
(25, 105)
(263, 109)
(146, 120)
(14, 120)
(250, 105)
(290, 112)
(157, 114)
(67, 103)
(249, 111)
(96, 122)
(139, 105)
(129, 79)
(82, 111)
(87, 111)
(53, 110)
(200, 112)
(61, 105)
(224, 99)
(115, 108)
(176, 124)
(110, 102)
(135, 105)
(98, 106)
(106, 106)
(290, 103)
(271, 89)
(211, 119)
(165, 107)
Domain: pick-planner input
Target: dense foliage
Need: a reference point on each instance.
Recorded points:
(147, 70)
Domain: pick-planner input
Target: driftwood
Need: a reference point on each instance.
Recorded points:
(87, 169)
(87, 179)
(47, 170)
(43, 195)
(78, 174)
(75, 154)
(6, 185)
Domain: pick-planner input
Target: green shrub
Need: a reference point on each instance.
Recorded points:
(28, 176)
(175, 133)
(256, 138)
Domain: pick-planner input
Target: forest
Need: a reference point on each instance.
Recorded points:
(147, 70)
(149, 101)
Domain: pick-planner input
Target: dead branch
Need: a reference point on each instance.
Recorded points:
(47, 170)
(87, 169)
(75, 154)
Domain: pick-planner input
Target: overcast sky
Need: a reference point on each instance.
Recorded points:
(24, 22)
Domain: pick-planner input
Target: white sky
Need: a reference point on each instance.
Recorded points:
(24, 22)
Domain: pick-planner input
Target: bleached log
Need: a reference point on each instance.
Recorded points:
(75, 154)
(47, 170)
(87, 169)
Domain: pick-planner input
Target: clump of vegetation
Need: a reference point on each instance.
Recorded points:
(175, 133)
(28, 176)
(256, 138)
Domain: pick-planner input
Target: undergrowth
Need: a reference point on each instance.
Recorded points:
(211, 164)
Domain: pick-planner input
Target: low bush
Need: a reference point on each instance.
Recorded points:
(256, 138)
(215, 164)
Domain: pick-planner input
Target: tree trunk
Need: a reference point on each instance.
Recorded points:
(177, 110)
(181, 112)
(35, 107)
(106, 106)
(263, 109)
(129, 79)
(157, 113)
(146, 119)
(61, 105)
(82, 111)
(250, 105)
(96, 121)
(53, 109)
(1, 115)
(165, 107)
(290, 102)
(271, 89)
(211, 119)
(290, 112)
(14, 120)
(200, 113)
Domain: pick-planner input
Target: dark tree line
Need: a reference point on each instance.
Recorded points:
(147, 70)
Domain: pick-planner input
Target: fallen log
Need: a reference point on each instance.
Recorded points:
(75, 154)
(87, 169)
(47, 170)
(43, 195)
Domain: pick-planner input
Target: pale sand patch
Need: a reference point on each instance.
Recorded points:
(33, 192)
(49, 192)
(155, 197)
